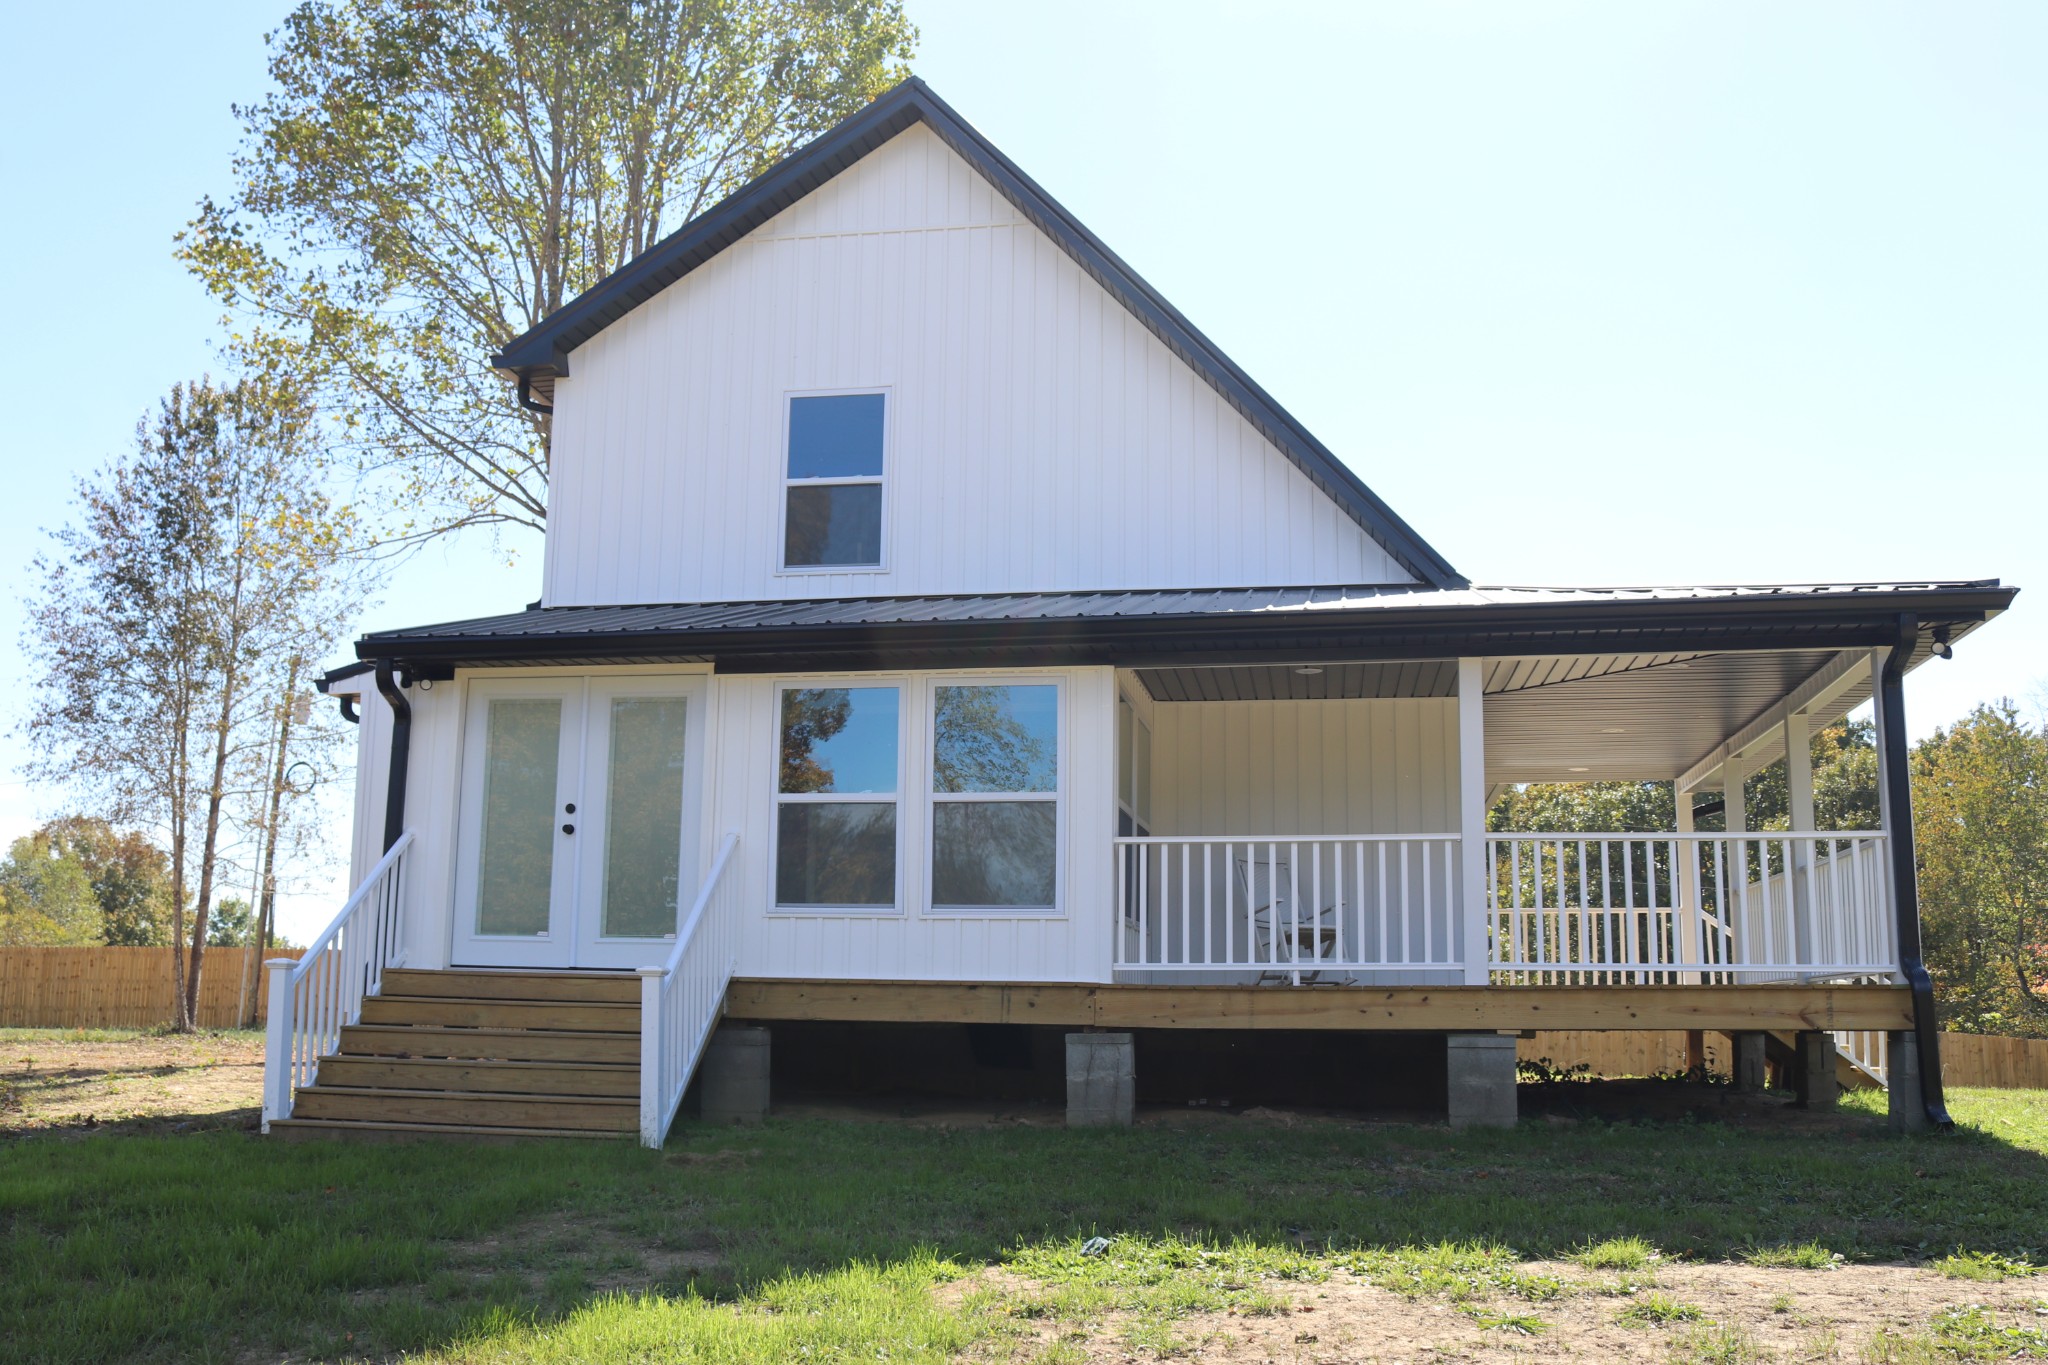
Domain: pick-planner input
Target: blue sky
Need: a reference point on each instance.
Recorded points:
(1589, 292)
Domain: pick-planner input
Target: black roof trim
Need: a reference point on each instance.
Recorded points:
(343, 672)
(1222, 626)
(544, 351)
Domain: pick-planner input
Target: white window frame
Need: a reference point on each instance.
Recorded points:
(786, 484)
(933, 798)
(778, 798)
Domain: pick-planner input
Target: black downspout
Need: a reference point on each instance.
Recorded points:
(401, 751)
(1898, 787)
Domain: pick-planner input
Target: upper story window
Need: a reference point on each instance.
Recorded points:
(832, 508)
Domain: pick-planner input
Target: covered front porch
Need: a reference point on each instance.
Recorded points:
(1327, 824)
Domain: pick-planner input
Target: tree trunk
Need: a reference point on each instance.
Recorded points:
(216, 793)
(268, 898)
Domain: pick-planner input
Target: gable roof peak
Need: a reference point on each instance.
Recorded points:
(537, 358)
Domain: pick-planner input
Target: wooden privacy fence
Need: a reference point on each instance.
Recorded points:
(120, 987)
(1966, 1058)
(1986, 1059)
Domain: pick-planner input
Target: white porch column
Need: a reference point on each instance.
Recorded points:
(1685, 884)
(1474, 874)
(1883, 723)
(1735, 815)
(1799, 853)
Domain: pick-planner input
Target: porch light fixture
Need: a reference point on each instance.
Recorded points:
(1308, 672)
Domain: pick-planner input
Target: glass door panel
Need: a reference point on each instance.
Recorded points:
(522, 767)
(638, 872)
(516, 864)
(643, 817)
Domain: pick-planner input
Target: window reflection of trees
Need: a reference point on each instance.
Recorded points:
(981, 746)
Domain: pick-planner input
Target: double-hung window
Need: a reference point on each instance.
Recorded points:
(837, 769)
(832, 494)
(995, 795)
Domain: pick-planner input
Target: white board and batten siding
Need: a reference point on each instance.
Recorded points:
(433, 773)
(1372, 766)
(1039, 438)
(911, 943)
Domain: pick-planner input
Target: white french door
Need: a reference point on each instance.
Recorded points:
(579, 820)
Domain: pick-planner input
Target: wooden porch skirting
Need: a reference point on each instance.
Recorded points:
(1426, 1009)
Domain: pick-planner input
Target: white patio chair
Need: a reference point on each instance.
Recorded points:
(1281, 932)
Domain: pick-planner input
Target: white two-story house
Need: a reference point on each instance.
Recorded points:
(936, 628)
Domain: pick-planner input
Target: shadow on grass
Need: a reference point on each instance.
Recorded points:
(221, 1246)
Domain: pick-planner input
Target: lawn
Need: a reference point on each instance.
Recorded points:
(1228, 1238)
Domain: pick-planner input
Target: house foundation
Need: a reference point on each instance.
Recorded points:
(1102, 1080)
(734, 1076)
(1750, 1052)
(1814, 1071)
(1482, 1080)
(1902, 1083)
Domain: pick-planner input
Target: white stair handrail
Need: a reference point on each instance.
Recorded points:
(681, 1000)
(313, 999)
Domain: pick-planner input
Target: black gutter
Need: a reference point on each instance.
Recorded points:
(1161, 640)
(401, 753)
(526, 397)
(1898, 786)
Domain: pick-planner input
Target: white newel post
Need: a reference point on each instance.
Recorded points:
(277, 1042)
(653, 1102)
(1473, 872)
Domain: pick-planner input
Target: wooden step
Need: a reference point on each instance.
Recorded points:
(477, 1109)
(302, 1130)
(580, 1077)
(477, 984)
(577, 1016)
(488, 1044)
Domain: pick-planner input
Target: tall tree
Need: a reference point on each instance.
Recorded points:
(130, 877)
(1980, 797)
(197, 566)
(429, 178)
(46, 898)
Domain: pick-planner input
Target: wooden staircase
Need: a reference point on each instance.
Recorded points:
(482, 1054)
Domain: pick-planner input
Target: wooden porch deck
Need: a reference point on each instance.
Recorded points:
(1776, 1007)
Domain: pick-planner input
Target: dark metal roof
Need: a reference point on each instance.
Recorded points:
(543, 353)
(1161, 629)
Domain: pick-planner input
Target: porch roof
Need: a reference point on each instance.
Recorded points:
(1160, 629)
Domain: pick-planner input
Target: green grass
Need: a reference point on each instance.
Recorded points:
(1657, 1310)
(1971, 1332)
(1987, 1266)
(818, 1241)
(1804, 1256)
(1617, 1253)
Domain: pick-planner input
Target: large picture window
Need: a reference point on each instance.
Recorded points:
(995, 796)
(836, 795)
(832, 512)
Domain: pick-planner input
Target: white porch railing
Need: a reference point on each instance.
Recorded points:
(1870, 1050)
(1596, 909)
(680, 1001)
(1316, 907)
(313, 999)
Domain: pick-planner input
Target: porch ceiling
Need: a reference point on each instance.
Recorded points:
(1646, 724)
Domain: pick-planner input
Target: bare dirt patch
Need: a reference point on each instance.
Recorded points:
(75, 1082)
(607, 1256)
(1717, 1312)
